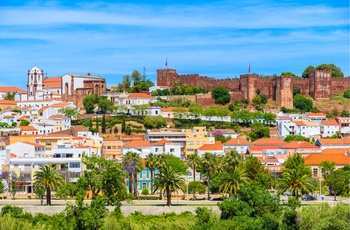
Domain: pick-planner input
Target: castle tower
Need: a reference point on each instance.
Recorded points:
(248, 85)
(34, 83)
(320, 84)
(284, 92)
(166, 77)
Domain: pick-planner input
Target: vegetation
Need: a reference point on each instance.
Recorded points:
(347, 94)
(336, 71)
(196, 187)
(291, 137)
(48, 178)
(9, 96)
(302, 103)
(134, 83)
(89, 103)
(69, 112)
(24, 123)
(221, 95)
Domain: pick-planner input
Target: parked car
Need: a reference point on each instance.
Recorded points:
(308, 197)
(287, 193)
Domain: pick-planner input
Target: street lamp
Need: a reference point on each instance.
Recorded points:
(187, 186)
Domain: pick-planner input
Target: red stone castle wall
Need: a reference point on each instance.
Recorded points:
(339, 85)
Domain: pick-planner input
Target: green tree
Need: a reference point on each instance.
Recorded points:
(136, 78)
(104, 105)
(302, 103)
(103, 124)
(24, 123)
(257, 173)
(208, 165)
(1, 187)
(159, 122)
(221, 95)
(233, 179)
(269, 118)
(145, 191)
(292, 137)
(103, 176)
(263, 98)
(307, 70)
(169, 181)
(133, 165)
(192, 161)
(13, 189)
(89, 103)
(347, 94)
(148, 122)
(9, 96)
(289, 74)
(69, 112)
(258, 131)
(151, 164)
(231, 160)
(195, 111)
(49, 178)
(335, 180)
(196, 187)
(296, 90)
(336, 71)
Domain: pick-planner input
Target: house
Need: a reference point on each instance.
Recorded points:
(314, 117)
(344, 124)
(195, 138)
(314, 161)
(141, 147)
(60, 122)
(333, 143)
(64, 149)
(172, 136)
(217, 149)
(308, 129)
(44, 127)
(28, 130)
(165, 146)
(269, 142)
(4, 90)
(286, 128)
(112, 148)
(329, 128)
(6, 103)
(345, 151)
(238, 144)
(27, 149)
(303, 147)
(4, 154)
(265, 146)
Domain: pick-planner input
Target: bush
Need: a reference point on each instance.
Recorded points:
(148, 198)
(5, 197)
(0, 197)
(145, 191)
(347, 94)
(29, 197)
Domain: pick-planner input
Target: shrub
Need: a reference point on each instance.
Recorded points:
(29, 197)
(347, 94)
(0, 197)
(5, 197)
(145, 191)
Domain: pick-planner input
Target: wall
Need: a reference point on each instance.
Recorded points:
(339, 85)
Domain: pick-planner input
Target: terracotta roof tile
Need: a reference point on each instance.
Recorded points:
(298, 145)
(8, 102)
(12, 155)
(161, 142)
(140, 95)
(33, 144)
(137, 143)
(27, 128)
(170, 109)
(262, 147)
(330, 122)
(336, 151)
(52, 82)
(23, 117)
(299, 123)
(316, 159)
(58, 116)
(337, 141)
(310, 114)
(269, 141)
(267, 159)
(111, 138)
(214, 147)
(237, 141)
(11, 89)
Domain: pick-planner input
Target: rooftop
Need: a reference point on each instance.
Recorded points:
(316, 159)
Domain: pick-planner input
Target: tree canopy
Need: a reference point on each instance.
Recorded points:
(221, 95)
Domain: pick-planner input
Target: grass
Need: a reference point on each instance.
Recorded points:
(162, 205)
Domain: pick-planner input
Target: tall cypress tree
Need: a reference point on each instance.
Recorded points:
(103, 124)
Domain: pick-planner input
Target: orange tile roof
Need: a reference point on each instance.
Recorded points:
(137, 143)
(330, 122)
(8, 102)
(43, 108)
(111, 139)
(267, 159)
(11, 89)
(336, 151)
(33, 144)
(269, 141)
(237, 141)
(262, 147)
(310, 114)
(337, 141)
(299, 145)
(161, 142)
(9, 116)
(140, 95)
(12, 155)
(60, 105)
(23, 117)
(52, 82)
(58, 116)
(299, 123)
(27, 128)
(207, 147)
(316, 159)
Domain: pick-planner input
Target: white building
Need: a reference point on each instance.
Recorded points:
(217, 149)
(27, 149)
(164, 146)
(238, 144)
(329, 128)
(143, 148)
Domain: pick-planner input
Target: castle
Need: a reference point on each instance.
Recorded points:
(320, 85)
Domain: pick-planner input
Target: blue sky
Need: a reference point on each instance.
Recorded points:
(212, 38)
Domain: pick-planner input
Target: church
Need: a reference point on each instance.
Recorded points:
(69, 87)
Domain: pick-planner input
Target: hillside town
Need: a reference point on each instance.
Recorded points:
(52, 123)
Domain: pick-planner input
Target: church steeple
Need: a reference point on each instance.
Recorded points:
(35, 82)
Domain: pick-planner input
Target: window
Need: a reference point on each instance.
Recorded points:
(143, 185)
(156, 150)
(315, 172)
(108, 147)
(198, 142)
(74, 165)
(113, 147)
(144, 174)
(172, 150)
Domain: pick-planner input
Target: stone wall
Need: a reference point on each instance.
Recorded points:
(339, 85)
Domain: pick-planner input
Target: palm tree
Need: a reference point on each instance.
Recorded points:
(296, 181)
(192, 161)
(151, 164)
(49, 178)
(209, 165)
(233, 179)
(169, 181)
(231, 160)
(132, 164)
